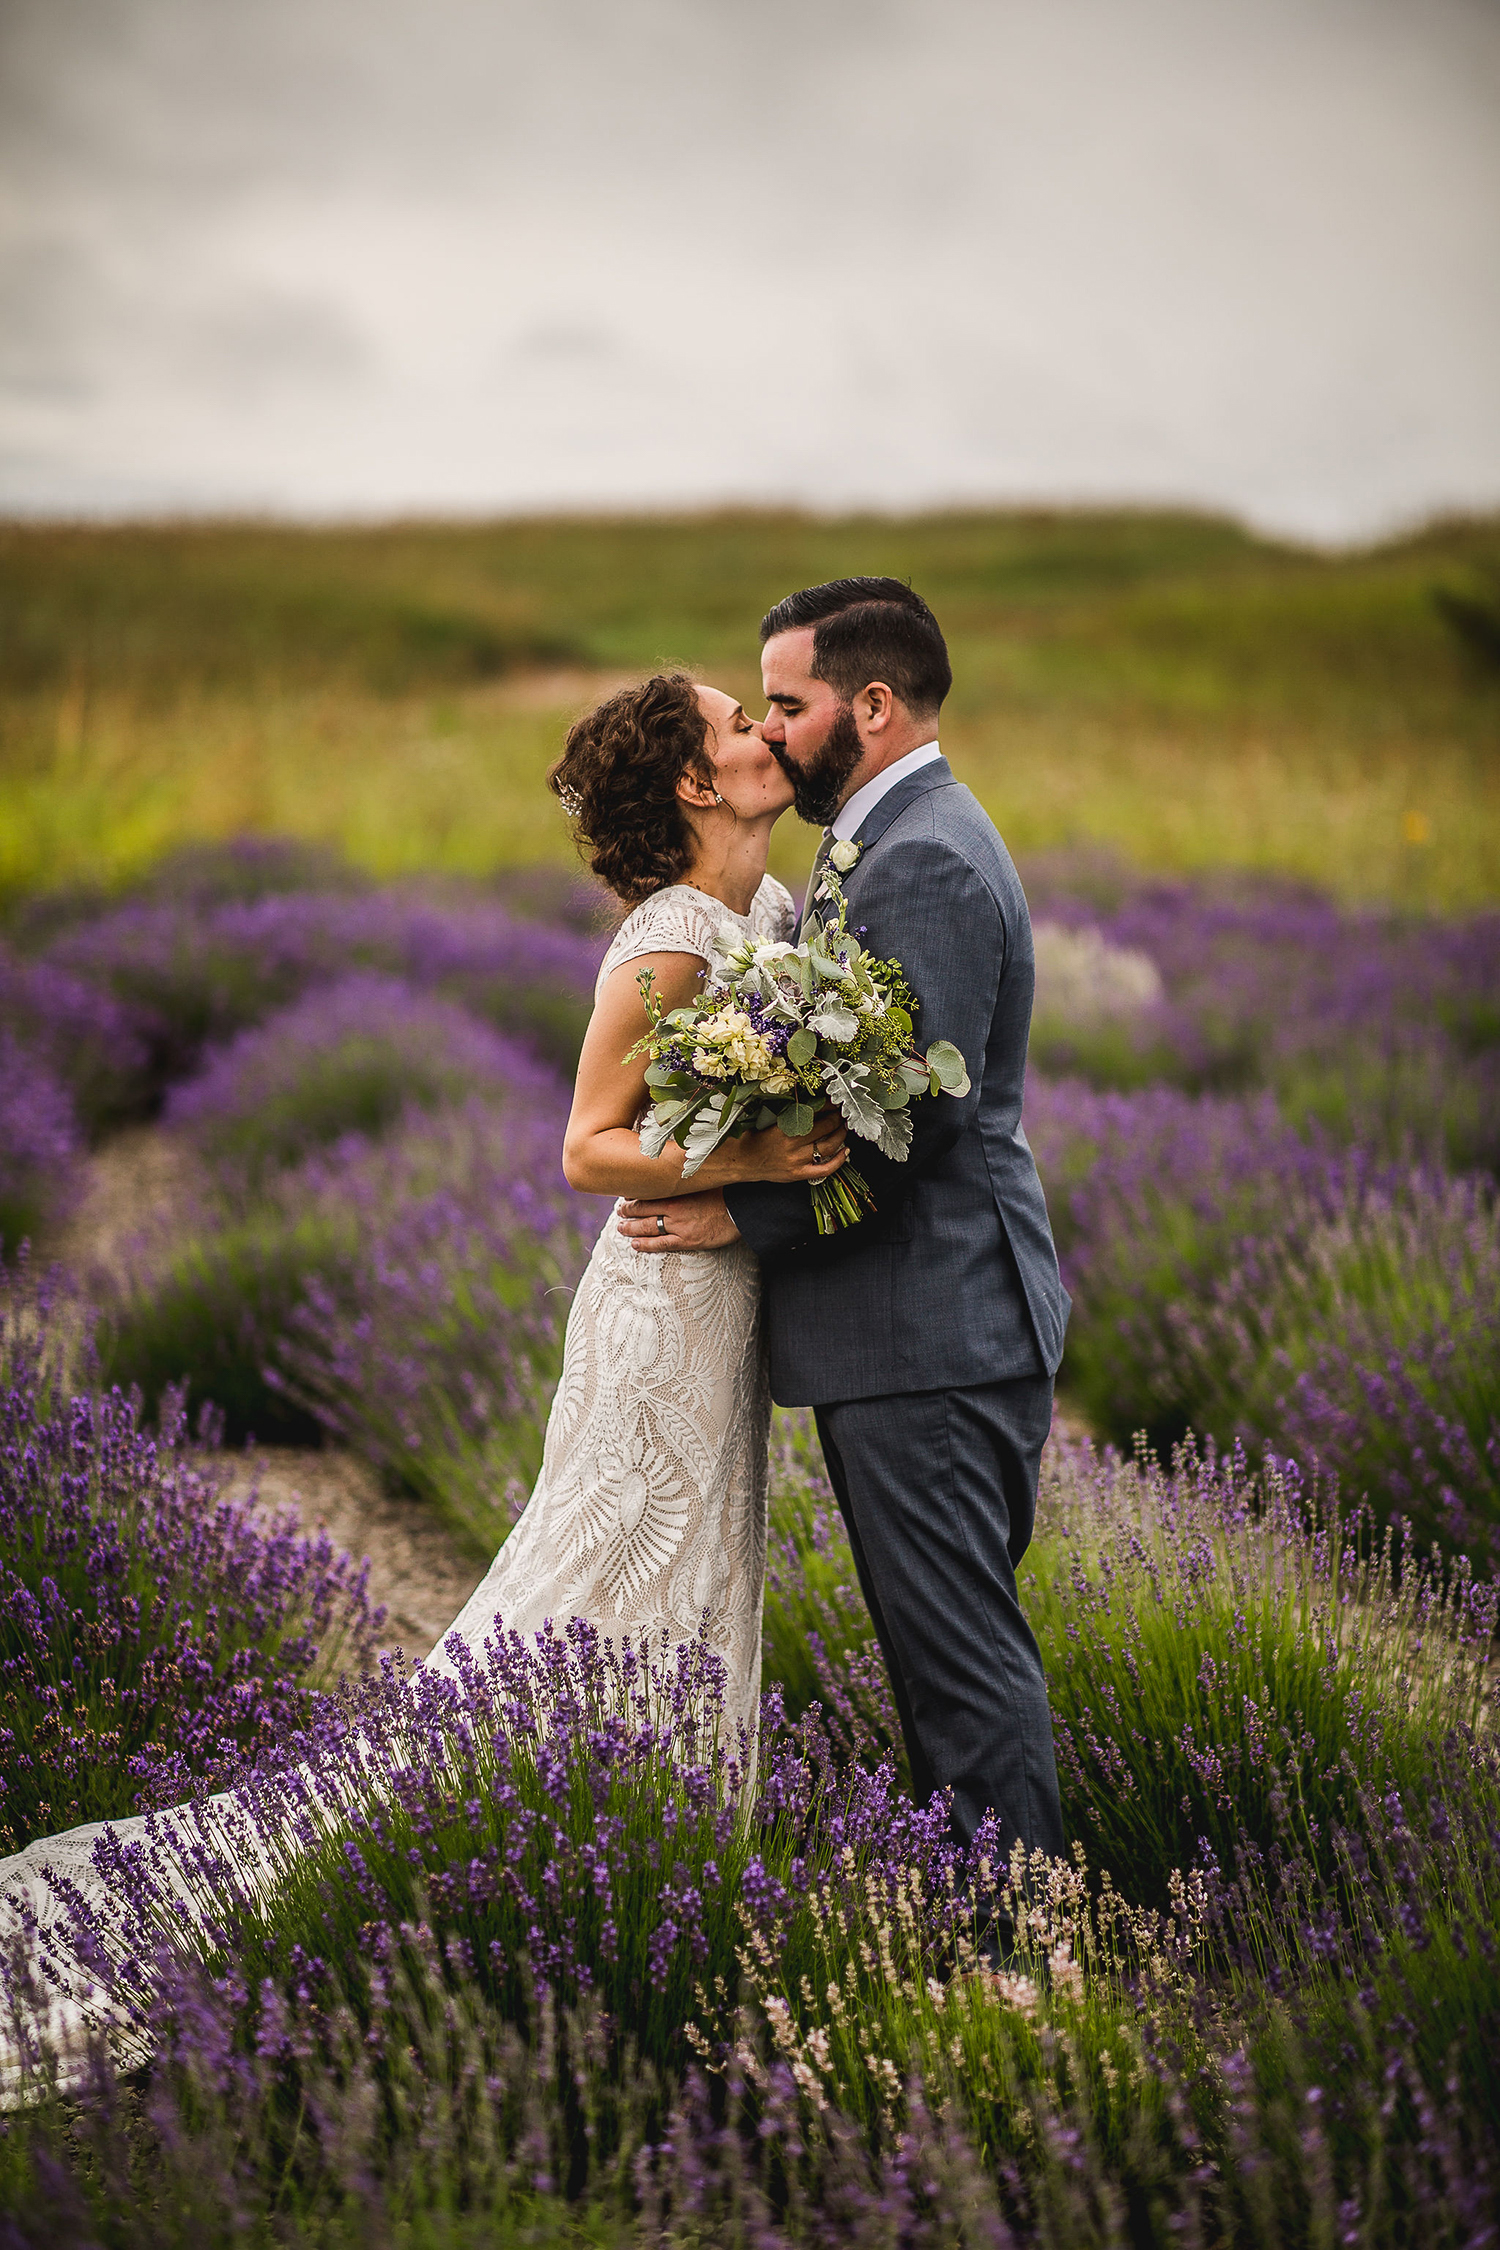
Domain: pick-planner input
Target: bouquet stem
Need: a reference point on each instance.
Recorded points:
(841, 1200)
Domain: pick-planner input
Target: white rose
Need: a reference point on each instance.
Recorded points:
(844, 855)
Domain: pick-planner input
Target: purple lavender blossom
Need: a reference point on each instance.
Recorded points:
(347, 1057)
(436, 1353)
(1231, 1277)
(197, 976)
(86, 1038)
(39, 1144)
(1377, 1025)
(151, 1634)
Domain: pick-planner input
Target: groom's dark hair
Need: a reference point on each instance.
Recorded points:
(869, 629)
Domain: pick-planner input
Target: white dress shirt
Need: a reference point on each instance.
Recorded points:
(846, 821)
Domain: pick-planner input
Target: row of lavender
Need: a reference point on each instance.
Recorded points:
(557, 1986)
(538, 1965)
(1268, 1129)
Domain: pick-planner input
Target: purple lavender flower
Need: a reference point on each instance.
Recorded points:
(347, 1057)
(39, 1144)
(198, 975)
(1378, 1026)
(86, 1038)
(151, 1634)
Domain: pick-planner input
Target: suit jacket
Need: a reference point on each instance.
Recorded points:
(953, 1280)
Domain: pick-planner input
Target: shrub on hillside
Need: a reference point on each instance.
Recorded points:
(152, 1635)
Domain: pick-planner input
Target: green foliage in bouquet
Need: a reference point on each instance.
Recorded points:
(777, 1032)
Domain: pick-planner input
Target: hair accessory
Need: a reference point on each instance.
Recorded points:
(571, 802)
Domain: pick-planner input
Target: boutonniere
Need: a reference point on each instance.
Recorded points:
(841, 857)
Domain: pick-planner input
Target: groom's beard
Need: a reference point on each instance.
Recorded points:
(818, 787)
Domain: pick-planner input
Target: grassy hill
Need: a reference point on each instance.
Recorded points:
(1166, 685)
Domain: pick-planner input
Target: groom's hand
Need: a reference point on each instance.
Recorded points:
(682, 1222)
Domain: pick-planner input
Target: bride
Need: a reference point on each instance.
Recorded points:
(649, 1516)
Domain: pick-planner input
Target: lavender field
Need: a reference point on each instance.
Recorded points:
(605, 1977)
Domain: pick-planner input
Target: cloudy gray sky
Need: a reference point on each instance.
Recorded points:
(353, 256)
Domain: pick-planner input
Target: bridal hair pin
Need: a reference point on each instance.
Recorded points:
(571, 802)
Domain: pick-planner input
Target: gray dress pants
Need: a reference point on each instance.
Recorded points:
(938, 1493)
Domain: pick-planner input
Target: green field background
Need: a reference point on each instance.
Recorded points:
(1168, 687)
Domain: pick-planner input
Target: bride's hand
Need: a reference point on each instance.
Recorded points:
(773, 1156)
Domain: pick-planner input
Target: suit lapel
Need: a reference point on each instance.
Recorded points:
(938, 775)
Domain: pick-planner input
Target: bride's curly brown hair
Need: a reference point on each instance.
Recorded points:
(617, 779)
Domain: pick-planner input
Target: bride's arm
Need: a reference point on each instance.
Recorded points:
(601, 1150)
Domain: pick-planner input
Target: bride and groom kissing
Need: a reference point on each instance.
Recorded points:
(925, 1338)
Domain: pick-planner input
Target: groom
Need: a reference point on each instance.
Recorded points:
(927, 1337)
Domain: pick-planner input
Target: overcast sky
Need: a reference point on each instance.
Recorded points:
(357, 256)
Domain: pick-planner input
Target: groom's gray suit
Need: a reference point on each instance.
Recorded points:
(928, 1336)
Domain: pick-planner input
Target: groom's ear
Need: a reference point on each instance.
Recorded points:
(875, 707)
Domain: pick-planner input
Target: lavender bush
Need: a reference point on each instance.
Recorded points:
(192, 975)
(39, 1145)
(202, 1302)
(1378, 1026)
(547, 1966)
(152, 1636)
(437, 1357)
(85, 1038)
(350, 1057)
(1234, 1278)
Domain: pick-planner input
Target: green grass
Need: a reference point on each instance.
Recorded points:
(1169, 685)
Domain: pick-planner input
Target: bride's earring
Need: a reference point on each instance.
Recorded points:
(718, 800)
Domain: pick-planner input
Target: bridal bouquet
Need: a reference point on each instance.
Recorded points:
(777, 1031)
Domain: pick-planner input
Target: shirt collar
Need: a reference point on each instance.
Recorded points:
(847, 820)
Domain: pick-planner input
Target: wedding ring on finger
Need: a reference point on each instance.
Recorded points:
(661, 1222)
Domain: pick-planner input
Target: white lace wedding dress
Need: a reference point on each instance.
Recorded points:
(648, 1518)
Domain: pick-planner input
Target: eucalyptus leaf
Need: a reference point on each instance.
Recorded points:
(889, 1096)
(659, 1126)
(948, 1067)
(797, 1120)
(801, 1048)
